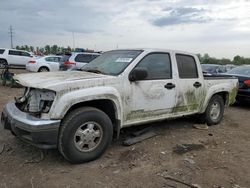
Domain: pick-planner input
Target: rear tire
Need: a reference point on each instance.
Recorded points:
(3, 63)
(43, 69)
(214, 111)
(84, 135)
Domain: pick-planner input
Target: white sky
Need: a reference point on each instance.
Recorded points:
(218, 27)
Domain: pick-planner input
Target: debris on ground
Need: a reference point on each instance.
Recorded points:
(140, 138)
(2, 150)
(181, 182)
(201, 126)
(184, 148)
(36, 161)
(191, 161)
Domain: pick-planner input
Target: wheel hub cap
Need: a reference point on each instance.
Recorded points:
(215, 111)
(88, 136)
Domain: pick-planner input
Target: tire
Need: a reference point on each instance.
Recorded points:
(43, 69)
(3, 63)
(78, 142)
(214, 111)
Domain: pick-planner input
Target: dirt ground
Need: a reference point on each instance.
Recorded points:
(224, 161)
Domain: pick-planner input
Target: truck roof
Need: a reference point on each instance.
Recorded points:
(159, 50)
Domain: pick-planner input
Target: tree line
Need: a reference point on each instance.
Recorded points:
(237, 60)
(47, 49)
(55, 49)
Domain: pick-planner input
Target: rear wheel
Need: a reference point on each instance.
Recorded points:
(84, 135)
(43, 69)
(3, 63)
(215, 110)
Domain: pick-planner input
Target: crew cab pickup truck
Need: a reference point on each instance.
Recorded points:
(79, 112)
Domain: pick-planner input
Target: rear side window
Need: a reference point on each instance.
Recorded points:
(65, 58)
(186, 66)
(14, 52)
(25, 54)
(2, 51)
(84, 58)
(52, 59)
(158, 66)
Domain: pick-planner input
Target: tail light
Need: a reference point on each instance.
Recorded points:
(32, 62)
(69, 63)
(247, 83)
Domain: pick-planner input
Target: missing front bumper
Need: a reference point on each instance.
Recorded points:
(41, 133)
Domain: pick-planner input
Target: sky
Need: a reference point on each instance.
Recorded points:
(220, 28)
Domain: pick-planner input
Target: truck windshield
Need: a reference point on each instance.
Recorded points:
(112, 62)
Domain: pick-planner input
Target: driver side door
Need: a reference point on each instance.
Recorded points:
(153, 97)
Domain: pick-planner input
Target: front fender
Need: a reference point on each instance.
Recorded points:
(63, 102)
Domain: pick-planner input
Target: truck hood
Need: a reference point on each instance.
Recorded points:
(51, 80)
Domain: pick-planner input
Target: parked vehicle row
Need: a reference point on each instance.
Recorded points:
(216, 69)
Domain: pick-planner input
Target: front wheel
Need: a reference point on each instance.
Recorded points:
(84, 135)
(214, 111)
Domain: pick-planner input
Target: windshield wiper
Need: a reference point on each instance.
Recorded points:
(94, 70)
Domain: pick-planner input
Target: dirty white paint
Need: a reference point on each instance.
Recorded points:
(136, 102)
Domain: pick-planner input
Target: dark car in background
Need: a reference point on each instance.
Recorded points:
(213, 69)
(76, 60)
(243, 75)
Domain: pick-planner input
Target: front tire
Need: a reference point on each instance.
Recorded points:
(84, 135)
(214, 111)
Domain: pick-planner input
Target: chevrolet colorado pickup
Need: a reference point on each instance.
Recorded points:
(79, 112)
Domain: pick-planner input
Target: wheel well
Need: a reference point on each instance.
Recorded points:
(105, 105)
(43, 67)
(224, 95)
(4, 60)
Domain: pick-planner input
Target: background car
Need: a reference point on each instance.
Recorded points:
(213, 69)
(243, 75)
(77, 60)
(44, 64)
(13, 57)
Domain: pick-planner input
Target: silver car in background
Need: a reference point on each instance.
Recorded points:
(44, 64)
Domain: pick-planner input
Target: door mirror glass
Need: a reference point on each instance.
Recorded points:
(138, 74)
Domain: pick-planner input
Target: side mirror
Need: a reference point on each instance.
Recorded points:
(138, 74)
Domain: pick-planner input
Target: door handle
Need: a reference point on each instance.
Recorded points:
(169, 86)
(197, 84)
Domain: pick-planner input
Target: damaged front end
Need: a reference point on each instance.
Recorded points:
(35, 101)
(24, 118)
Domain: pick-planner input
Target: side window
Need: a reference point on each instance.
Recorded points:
(57, 59)
(14, 52)
(84, 58)
(2, 51)
(158, 66)
(50, 59)
(25, 54)
(186, 66)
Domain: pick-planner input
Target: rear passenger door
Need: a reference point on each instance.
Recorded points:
(190, 85)
(14, 57)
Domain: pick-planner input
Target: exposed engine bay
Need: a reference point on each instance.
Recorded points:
(35, 101)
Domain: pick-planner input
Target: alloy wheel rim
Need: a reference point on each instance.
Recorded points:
(88, 136)
(215, 111)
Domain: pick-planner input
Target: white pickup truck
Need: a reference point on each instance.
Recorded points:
(78, 112)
